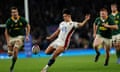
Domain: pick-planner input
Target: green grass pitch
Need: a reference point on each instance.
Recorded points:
(63, 64)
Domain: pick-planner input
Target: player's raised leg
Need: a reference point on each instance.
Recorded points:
(17, 45)
(16, 29)
(51, 61)
(96, 44)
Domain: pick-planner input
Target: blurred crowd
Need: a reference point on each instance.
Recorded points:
(45, 16)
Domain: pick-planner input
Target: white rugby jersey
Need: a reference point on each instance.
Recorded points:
(66, 31)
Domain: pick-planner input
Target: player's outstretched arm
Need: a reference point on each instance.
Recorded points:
(54, 35)
(87, 17)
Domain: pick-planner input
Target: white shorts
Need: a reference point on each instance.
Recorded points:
(105, 41)
(59, 42)
(116, 38)
(16, 41)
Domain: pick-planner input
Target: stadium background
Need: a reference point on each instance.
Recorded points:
(45, 16)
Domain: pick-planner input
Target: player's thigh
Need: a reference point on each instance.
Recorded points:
(11, 44)
(117, 44)
(53, 46)
(107, 44)
(49, 50)
(116, 41)
(97, 41)
(18, 42)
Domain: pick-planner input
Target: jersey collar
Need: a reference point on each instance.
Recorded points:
(104, 19)
(14, 19)
(115, 13)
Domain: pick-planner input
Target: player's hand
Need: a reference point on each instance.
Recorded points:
(48, 38)
(87, 16)
(27, 38)
(105, 25)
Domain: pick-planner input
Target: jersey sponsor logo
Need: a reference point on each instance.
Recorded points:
(102, 28)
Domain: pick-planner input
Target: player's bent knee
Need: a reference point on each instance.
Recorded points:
(9, 46)
(18, 44)
(60, 49)
(95, 45)
(48, 52)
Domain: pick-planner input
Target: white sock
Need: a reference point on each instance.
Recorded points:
(46, 67)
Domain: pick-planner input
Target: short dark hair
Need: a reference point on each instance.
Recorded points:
(103, 9)
(13, 8)
(114, 4)
(67, 11)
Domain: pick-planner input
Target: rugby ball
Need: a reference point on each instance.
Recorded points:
(35, 49)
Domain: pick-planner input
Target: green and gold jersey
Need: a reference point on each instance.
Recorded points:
(101, 30)
(16, 27)
(116, 19)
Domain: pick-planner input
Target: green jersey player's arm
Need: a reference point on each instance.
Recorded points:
(95, 27)
(27, 29)
(111, 25)
(27, 26)
(115, 27)
(54, 35)
(87, 17)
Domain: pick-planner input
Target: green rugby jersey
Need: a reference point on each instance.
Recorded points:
(101, 30)
(116, 19)
(16, 27)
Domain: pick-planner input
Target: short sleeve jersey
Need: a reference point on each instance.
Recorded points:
(103, 31)
(116, 19)
(16, 27)
(66, 30)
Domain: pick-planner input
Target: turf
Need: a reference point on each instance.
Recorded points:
(63, 64)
